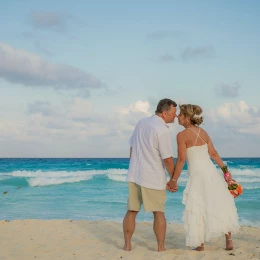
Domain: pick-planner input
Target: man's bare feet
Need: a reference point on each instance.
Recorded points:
(127, 247)
(229, 244)
(161, 249)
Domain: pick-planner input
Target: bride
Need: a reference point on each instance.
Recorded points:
(209, 207)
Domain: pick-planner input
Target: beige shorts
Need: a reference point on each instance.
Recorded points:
(153, 200)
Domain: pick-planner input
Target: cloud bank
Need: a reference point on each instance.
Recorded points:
(75, 129)
(22, 67)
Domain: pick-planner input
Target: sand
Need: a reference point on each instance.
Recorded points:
(80, 239)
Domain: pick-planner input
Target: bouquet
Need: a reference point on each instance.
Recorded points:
(234, 187)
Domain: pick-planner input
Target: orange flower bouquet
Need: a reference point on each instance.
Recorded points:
(234, 187)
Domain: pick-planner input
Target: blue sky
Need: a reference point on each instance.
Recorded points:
(76, 76)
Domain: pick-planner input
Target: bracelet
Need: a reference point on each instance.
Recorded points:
(224, 169)
(173, 179)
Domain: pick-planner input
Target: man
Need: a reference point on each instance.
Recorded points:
(150, 152)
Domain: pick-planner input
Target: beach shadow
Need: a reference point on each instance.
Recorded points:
(175, 237)
(112, 233)
(106, 232)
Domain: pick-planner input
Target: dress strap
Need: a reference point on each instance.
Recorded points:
(197, 136)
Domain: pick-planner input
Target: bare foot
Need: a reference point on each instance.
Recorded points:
(229, 244)
(199, 248)
(127, 247)
(161, 249)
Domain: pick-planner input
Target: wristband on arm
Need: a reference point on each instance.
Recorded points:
(224, 169)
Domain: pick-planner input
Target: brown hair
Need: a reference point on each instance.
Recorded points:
(165, 104)
(193, 112)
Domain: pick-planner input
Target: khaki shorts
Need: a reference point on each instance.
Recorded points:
(153, 200)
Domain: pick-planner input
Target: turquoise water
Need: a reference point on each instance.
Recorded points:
(95, 189)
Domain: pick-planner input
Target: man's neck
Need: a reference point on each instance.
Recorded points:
(160, 115)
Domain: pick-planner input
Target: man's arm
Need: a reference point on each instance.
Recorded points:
(165, 148)
(169, 165)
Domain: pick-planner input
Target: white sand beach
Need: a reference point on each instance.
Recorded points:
(80, 239)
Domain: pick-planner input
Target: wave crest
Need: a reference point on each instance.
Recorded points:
(45, 178)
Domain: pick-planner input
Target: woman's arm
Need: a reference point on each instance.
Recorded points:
(172, 184)
(181, 156)
(214, 154)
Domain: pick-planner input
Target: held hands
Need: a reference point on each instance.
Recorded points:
(172, 186)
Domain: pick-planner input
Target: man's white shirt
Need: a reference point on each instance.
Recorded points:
(151, 142)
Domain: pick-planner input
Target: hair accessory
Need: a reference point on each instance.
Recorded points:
(196, 116)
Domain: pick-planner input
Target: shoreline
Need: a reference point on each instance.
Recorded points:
(81, 239)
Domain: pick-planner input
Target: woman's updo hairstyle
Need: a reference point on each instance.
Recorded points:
(193, 112)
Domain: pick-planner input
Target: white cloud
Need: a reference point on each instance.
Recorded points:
(138, 106)
(80, 108)
(239, 117)
(22, 67)
(9, 129)
(62, 131)
(235, 113)
(131, 114)
(234, 128)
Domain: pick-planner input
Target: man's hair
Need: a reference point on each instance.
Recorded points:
(165, 104)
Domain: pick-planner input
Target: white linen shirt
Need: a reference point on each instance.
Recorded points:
(151, 142)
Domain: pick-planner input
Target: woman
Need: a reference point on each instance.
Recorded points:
(209, 207)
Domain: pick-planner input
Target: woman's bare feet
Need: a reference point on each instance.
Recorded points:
(229, 244)
(199, 248)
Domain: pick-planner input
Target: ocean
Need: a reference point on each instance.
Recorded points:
(96, 189)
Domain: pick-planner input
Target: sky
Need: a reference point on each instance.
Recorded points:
(76, 76)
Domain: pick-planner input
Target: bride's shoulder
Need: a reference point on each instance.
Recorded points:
(203, 131)
(204, 134)
(182, 134)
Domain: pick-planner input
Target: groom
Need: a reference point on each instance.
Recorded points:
(150, 152)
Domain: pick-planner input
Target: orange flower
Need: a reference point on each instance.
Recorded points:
(236, 189)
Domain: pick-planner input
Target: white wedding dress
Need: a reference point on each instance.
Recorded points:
(209, 207)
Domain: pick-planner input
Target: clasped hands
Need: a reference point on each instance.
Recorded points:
(172, 186)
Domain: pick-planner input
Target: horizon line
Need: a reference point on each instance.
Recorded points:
(243, 157)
